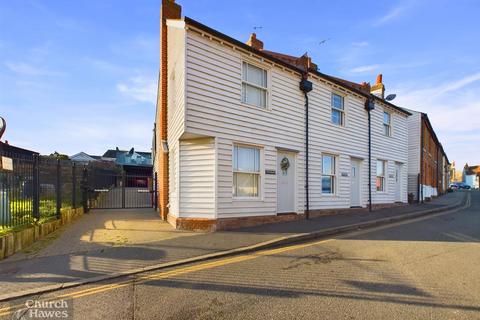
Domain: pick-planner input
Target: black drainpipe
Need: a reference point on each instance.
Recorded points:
(438, 176)
(369, 106)
(306, 86)
(420, 184)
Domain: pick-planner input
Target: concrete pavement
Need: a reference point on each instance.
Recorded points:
(109, 242)
(426, 268)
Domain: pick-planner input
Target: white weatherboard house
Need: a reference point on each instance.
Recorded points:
(236, 135)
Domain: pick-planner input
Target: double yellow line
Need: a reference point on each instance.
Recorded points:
(168, 274)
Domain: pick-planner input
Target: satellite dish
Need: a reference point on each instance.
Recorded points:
(3, 126)
(390, 97)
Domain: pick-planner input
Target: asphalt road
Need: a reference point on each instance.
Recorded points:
(428, 268)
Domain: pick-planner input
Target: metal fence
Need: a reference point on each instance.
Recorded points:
(115, 189)
(37, 189)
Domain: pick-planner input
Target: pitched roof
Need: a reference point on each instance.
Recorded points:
(469, 170)
(13, 150)
(83, 157)
(125, 156)
(430, 127)
(134, 158)
(359, 86)
(110, 153)
(290, 62)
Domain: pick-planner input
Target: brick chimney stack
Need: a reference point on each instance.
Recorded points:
(378, 88)
(254, 42)
(168, 10)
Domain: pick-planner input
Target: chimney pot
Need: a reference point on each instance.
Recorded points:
(254, 42)
(378, 88)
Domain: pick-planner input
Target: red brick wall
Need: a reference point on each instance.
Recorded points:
(432, 167)
(168, 10)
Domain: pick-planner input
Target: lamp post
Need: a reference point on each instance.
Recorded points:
(3, 126)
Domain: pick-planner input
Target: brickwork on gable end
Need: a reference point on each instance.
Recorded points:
(431, 168)
(168, 10)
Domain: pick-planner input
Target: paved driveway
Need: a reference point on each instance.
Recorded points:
(102, 229)
(103, 241)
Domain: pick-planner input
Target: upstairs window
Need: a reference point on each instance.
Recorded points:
(380, 182)
(387, 127)
(246, 172)
(338, 110)
(254, 85)
(328, 174)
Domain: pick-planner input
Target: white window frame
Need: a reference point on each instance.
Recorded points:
(333, 108)
(384, 176)
(387, 125)
(247, 83)
(332, 176)
(259, 173)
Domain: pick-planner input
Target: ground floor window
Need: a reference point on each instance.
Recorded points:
(246, 171)
(328, 174)
(380, 182)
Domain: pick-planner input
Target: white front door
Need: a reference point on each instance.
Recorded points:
(285, 182)
(398, 182)
(355, 183)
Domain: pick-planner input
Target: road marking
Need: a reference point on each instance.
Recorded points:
(171, 273)
(224, 261)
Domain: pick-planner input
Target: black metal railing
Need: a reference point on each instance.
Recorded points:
(38, 188)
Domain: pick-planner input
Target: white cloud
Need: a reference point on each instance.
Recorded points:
(83, 134)
(140, 89)
(109, 66)
(27, 69)
(41, 51)
(143, 47)
(453, 108)
(392, 14)
(360, 44)
(460, 83)
(365, 69)
(69, 24)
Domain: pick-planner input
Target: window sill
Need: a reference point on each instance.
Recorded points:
(252, 106)
(329, 195)
(243, 199)
(338, 125)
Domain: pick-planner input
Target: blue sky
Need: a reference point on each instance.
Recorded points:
(81, 75)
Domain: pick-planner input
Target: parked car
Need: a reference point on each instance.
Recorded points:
(453, 186)
(459, 185)
(462, 185)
